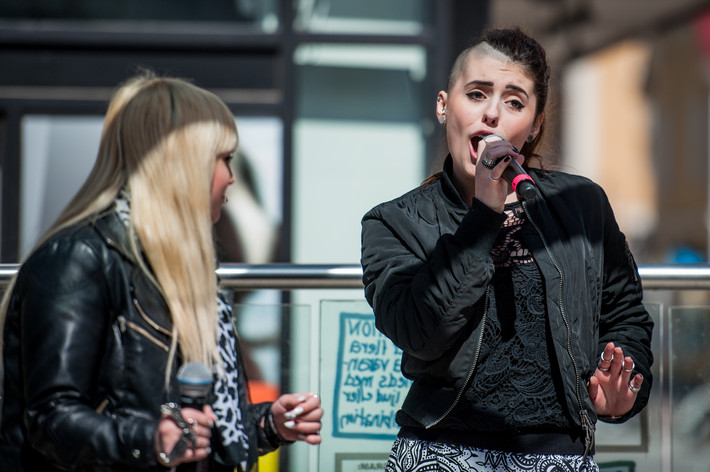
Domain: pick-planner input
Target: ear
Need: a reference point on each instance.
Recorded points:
(537, 124)
(441, 105)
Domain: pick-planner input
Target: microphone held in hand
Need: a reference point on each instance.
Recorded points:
(523, 185)
(195, 384)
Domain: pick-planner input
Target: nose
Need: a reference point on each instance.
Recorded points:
(232, 179)
(490, 115)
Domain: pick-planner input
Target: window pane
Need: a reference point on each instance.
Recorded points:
(399, 17)
(260, 13)
(59, 151)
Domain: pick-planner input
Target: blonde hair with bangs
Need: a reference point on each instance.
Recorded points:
(160, 141)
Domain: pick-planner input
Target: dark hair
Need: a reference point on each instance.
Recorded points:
(523, 51)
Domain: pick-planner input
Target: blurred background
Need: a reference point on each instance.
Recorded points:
(335, 101)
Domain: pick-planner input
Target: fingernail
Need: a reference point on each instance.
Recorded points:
(209, 450)
(516, 149)
(302, 437)
(507, 158)
(302, 398)
(290, 424)
(293, 413)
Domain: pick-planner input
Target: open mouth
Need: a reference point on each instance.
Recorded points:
(475, 141)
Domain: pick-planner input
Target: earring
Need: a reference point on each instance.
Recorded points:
(531, 138)
(442, 120)
(225, 200)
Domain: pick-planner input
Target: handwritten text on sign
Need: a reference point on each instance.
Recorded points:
(369, 387)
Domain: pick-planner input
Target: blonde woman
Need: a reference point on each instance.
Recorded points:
(121, 292)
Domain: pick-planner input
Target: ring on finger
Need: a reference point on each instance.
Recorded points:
(623, 364)
(492, 179)
(601, 356)
(192, 423)
(488, 163)
(485, 138)
(632, 388)
(603, 369)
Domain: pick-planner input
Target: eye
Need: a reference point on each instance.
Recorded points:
(227, 157)
(516, 104)
(475, 95)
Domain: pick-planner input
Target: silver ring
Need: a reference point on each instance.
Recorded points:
(492, 179)
(601, 356)
(603, 369)
(632, 388)
(164, 458)
(623, 364)
(485, 138)
(488, 163)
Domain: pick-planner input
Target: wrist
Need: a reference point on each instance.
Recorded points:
(271, 432)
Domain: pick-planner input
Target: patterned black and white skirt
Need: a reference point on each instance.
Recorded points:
(414, 455)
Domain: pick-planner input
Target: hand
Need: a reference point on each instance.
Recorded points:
(491, 189)
(611, 388)
(297, 417)
(169, 434)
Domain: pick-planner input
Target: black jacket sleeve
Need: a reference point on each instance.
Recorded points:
(421, 283)
(624, 320)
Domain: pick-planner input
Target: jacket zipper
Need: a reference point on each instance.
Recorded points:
(473, 366)
(124, 324)
(585, 421)
(149, 320)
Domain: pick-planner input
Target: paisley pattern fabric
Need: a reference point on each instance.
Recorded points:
(410, 455)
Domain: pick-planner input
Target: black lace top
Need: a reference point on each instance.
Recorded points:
(514, 388)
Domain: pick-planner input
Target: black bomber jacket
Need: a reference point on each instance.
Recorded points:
(426, 269)
(86, 344)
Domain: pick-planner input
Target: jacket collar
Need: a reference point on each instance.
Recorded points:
(114, 232)
(447, 185)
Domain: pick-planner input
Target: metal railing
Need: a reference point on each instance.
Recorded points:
(302, 276)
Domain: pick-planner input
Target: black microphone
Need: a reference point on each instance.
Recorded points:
(194, 384)
(523, 185)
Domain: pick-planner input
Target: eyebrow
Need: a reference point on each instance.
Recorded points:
(490, 84)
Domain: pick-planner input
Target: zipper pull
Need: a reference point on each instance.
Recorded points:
(631, 262)
(588, 428)
(121, 323)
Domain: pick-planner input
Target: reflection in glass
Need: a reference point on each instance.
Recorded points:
(398, 17)
(59, 151)
(690, 387)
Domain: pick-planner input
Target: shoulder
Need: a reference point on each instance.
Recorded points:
(67, 260)
(566, 185)
(416, 203)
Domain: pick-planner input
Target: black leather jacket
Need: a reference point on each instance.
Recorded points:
(427, 265)
(85, 348)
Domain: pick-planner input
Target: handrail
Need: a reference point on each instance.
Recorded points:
(328, 276)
